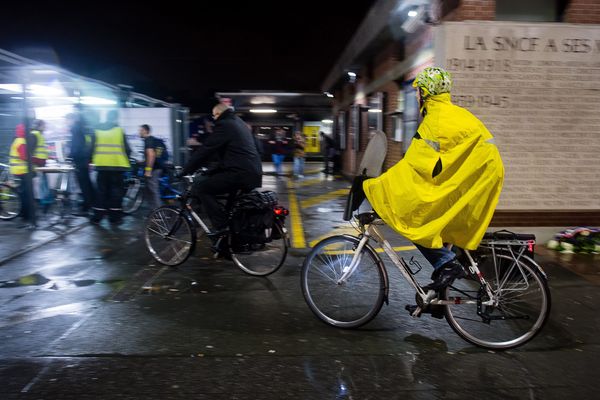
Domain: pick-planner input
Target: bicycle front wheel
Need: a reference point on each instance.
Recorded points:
(170, 236)
(10, 202)
(357, 299)
(262, 259)
(133, 195)
(518, 310)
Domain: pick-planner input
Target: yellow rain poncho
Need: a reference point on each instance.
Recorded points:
(454, 206)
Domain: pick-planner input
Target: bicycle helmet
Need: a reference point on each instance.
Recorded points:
(433, 81)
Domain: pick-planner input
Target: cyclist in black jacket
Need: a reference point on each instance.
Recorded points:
(239, 163)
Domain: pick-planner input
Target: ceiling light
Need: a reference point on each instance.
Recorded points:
(327, 121)
(328, 94)
(44, 71)
(374, 110)
(11, 87)
(413, 13)
(46, 91)
(263, 110)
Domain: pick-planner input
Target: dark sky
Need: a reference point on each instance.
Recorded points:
(185, 51)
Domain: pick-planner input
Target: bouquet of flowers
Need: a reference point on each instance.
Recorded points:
(576, 240)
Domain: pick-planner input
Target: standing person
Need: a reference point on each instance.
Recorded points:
(41, 153)
(111, 159)
(445, 189)
(278, 144)
(81, 154)
(299, 154)
(19, 168)
(239, 166)
(329, 152)
(155, 156)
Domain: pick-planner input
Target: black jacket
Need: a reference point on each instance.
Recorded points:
(81, 150)
(234, 144)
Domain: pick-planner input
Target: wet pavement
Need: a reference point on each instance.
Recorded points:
(88, 314)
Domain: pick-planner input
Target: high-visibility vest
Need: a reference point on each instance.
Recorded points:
(18, 166)
(109, 149)
(40, 151)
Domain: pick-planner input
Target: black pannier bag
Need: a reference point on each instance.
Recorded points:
(252, 221)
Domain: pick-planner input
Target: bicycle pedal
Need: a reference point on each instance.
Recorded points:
(414, 310)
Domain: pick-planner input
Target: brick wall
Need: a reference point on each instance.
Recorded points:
(583, 12)
(546, 218)
(482, 10)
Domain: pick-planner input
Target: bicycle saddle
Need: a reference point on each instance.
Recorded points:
(367, 217)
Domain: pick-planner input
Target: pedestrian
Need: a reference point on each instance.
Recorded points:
(329, 152)
(111, 159)
(445, 189)
(155, 158)
(278, 149)
(299, 154)
(81, 154)
(41, 153)
(19, 168)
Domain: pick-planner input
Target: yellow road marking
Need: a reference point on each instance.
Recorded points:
(312, 171)
(308, 182)
(298, 240)
(313, 201)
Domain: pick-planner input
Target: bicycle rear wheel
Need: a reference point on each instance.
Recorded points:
(133, 195)
(170, 235)
(522, 303)
(10, 202)
(355, 301)
(262, 259)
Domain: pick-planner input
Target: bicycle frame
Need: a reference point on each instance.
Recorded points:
(371, 231)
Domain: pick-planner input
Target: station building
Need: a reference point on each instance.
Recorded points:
(530, 70)
(47, 92)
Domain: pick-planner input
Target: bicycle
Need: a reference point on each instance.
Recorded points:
(171, 236)
(5, 175)
(10, 201)
(135, 183)
(502, 303)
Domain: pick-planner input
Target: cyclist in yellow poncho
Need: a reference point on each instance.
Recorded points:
(445, 189)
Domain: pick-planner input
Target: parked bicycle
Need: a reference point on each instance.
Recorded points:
(171, 233)
(10, 201)
(135, 184)
(502, 303)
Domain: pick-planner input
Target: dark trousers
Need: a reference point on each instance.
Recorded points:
(206, 188)
(26, 196)
(85, 184)
(109, 195)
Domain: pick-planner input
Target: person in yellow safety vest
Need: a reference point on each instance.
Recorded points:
(110, 157)
(445, 189)
(18, 162)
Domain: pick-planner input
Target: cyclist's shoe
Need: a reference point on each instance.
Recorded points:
(215, 236)
(445, 275)
(436, 311)
(220, 247)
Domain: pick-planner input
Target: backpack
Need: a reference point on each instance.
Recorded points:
(253, 217)
(162, 154)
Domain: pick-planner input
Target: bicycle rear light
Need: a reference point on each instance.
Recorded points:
(279, 210)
